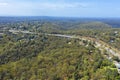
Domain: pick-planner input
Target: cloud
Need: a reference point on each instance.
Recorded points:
(44, 5)
(3, 4)
(61, 5)
(41, 8)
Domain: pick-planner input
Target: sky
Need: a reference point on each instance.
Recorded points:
(60, 8)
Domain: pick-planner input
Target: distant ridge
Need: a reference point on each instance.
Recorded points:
(114, 22)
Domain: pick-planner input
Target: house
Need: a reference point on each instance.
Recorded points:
(1, 35)
(111, 41)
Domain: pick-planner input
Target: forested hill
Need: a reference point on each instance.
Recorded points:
(113, 22)
(92, 25)
(53, 58)
(49, 24)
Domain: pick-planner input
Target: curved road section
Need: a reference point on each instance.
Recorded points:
(98, 44)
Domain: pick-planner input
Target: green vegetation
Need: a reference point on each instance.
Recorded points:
(53, 58)
(37, 56)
